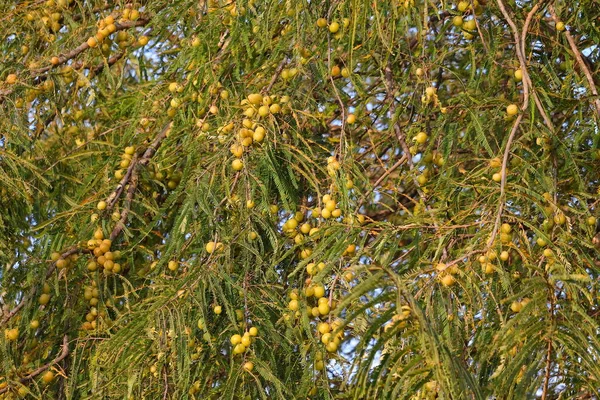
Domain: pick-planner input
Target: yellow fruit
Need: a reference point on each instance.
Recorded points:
(504, 255)
(321, 22)
(12, 334)
(34, 324)
(518, 75)
(253, 331)
(560, 26)
(457, 21)
(44, 299)
(293, 305)
(218, 310)
(237, 164)
(512, 110)
(319, 291)
(591, 221)
(334, 27)
(255, 98)
(516, 306)
(248, 366)
(497, 177)
(351, 119)
(173, 265)
(324, 309)
(11, 79)
(235, 339)
(239, 348)
(48, 377)
(101, 205)
(246, 340)
(92, 42)
(448, 280)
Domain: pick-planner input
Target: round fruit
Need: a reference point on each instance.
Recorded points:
(235, 339)
(48, 377)
(101, 205)
(218, 310)
(448, 280)
(12, 334)
(44, 299)
(518, 75)
(457, 20)
(516, 306)
(237, 164)
(512, 110)
(334, 27)
(321, 22)
(248, 366)
(560, 26)
(11, 79)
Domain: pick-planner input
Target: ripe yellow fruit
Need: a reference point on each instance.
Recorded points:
(253, 331)
(293, 305)
(239, 348)
(143, 40)
(321, 22)
(34, 324)
(504, 255)
(319, 291)
(334, 27)
(173, 265)
(324, 309)
(48, 377)
(212, 246)
(591, 221)
(12, 334)
(497, 177)
(518, 75)
(11, 79)
(92, 42)
(560, 26)
(101, 205)
(235, 339)
(218, 310)
(512, 110)
(248, 366)
(457, 21)
(351, 119)
(255, 98)
(448, 280)
(516, 306)
(237, 164)
(44, 299)
(246, 340)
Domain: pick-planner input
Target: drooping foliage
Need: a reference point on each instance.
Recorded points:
(299, 199)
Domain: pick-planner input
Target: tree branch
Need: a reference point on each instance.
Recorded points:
(63, 354)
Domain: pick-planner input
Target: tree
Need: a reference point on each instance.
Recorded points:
(299, 199)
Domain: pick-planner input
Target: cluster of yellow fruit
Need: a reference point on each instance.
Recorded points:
(62, 263)
(105, 258)
(336, 71)
(125, 161)
(255, 107)
(45, 296)
(212, 246)
(446, 273)
(91, 294)
(496, 164)
(430, 96)
(330, 209)
(170, 175)
(331, 335)
(105, 26)
(241, 343)
(400, 319)
(334, 27)
(517, 306)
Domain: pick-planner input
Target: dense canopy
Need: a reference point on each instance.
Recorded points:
(281, 199)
